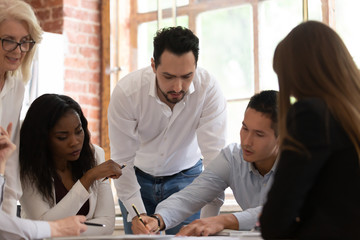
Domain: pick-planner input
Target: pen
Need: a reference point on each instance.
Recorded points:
(94, 224)
(137, 214)
(122, 166)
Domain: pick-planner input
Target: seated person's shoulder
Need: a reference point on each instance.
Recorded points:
(99, 154)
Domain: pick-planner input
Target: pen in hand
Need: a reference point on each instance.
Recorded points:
(122, 166)
(94, 224)
(138, 214)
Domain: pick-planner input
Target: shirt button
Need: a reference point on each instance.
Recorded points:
(162, 154)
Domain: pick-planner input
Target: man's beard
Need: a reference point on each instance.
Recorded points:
(173, 101)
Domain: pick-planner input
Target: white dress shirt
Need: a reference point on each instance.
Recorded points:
(11, 98)
(100, 197)
(228, 169)
(16, 228)
(145, 132)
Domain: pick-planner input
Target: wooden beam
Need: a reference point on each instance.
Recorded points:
(255, 7)
(328, 12)
(105, 78)
(192, 8)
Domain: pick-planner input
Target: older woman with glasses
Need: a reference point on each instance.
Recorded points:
(19, 31)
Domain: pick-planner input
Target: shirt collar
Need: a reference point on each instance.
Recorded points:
(253, 169)
(8, 85)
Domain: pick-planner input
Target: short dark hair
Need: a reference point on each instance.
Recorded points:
(36, 161)
(266, 103)
(178, 40)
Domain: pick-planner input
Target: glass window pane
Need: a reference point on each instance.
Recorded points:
(314, 10)
(276, 19)
(151, 5)
(226, 49)
(146, 33)
(236, 110)
(347, 20)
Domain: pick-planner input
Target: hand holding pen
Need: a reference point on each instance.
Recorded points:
(121, 167)
(108, 168)
(145, 225)
(138, 214)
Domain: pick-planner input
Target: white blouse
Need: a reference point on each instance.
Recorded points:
(11, 98)
(102, 209)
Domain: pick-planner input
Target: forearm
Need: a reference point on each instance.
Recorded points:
(35, 207)
(104, 211)
(16, 228)
(248, 218)
(12, 188)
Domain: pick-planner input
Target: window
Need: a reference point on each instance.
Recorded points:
(237, 38)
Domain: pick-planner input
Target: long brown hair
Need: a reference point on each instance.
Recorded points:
(313, 61)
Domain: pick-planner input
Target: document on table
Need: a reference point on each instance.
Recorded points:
(242, 235)
(147, 237)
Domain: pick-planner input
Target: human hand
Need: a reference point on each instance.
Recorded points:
(6, 146)
(109, 169)
(70, 226)
(207, 226)
(150, 227)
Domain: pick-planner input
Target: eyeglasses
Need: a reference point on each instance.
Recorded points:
(10, 45)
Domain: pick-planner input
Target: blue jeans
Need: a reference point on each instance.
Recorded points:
(156, 189)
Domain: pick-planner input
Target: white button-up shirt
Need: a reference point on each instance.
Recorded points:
(12, 227)
(11, 98)
(146, 133)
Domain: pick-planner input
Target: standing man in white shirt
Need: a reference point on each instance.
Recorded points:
(163, 120)
(248, 169)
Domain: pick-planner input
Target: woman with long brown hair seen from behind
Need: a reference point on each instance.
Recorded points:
(316, 190)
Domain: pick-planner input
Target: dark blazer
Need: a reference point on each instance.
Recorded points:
(316, 193)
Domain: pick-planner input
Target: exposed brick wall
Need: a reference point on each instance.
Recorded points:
(79, 22)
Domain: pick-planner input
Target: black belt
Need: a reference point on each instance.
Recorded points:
(151, 177)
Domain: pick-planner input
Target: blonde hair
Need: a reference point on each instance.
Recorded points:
(313, 61)
(22, 11)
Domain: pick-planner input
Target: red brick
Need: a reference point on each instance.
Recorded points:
(94, 113)
(94, 88)
(94, 41)
(54, 2)
(94, 64)
(71, 25)
(35, 4)
(72, 49)
(94, 17)
(93, 101)
(77, 14)
(72, 3)
(76, 63)
(53, 26)
(90, 28)
(89, 52)
(90, 4)
(78, 38)
(57, 12)
(72, 86)
(43, 15)
(71, 74)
